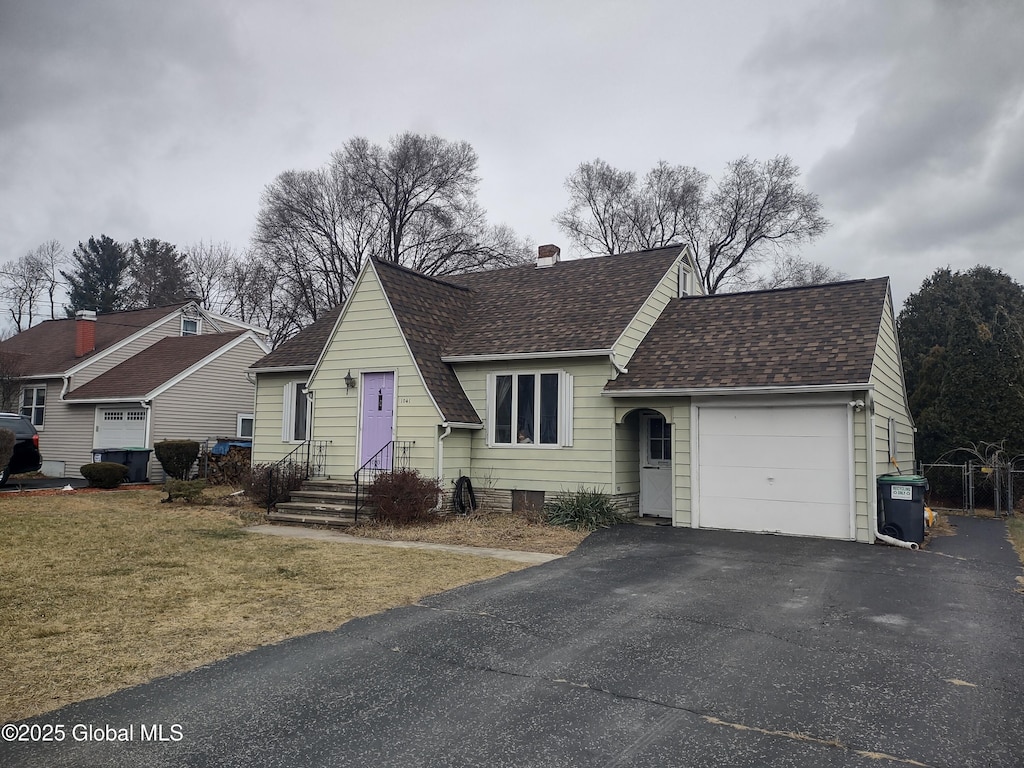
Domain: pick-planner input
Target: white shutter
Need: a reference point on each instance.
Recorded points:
(287, 398)
(489, 410)
(566, 409)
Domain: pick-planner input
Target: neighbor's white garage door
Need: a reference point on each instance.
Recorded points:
(121, 427)
(783, 469)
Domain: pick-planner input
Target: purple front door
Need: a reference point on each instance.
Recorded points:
(378, 416)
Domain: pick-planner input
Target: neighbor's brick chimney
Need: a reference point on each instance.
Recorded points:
(548, 255)
(85, 332)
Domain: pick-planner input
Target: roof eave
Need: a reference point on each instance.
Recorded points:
(280, 369)
(506, 356)
(706, 391)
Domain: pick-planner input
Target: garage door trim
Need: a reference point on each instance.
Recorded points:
(835, 401)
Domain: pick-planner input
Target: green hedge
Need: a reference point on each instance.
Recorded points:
(177, 457)
(104, 474)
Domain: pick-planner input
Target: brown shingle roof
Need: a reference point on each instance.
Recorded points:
(428, 311)
(809, 336)
(303, 349)
(575, 305)
(153, 366)
(50, 346)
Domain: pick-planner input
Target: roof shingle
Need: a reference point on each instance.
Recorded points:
(303, 349)
(49, 348)
(812, 336)
(144, 372)
(582, 304)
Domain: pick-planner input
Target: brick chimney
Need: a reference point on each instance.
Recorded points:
(85, 332)
(548, 256)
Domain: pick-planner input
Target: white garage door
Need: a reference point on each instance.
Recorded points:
(122, 427)
(775, 469)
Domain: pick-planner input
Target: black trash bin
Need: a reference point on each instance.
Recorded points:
(115, 455)
(901, 506)
(137, 461)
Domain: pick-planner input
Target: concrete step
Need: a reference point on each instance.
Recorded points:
(300, 518)
(327, 497)
(329, 486)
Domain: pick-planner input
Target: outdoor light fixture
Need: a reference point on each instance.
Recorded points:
(350, 383)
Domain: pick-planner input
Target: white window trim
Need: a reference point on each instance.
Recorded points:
(199, 325)
(565, 409)
(288, 413)
(42, 408)
(239, 418)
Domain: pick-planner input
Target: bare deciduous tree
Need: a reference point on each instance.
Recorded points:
(11, 367)
(25, 282)
(789, 271)
(412, 202)
(756, 210)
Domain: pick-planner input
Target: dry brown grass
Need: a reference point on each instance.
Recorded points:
(1015, 525)
(105, 590)
(500, 531)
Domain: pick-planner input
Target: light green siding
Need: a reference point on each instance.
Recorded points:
(676, 411)
(457, 458)
(368, 340)
(588, 461)
(648, 313)
(890, 398)
(267, 443)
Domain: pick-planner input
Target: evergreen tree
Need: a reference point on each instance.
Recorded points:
(97, 280)
(963, 354)
(158, 274)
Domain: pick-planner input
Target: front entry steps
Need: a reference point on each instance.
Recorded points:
(320, 502)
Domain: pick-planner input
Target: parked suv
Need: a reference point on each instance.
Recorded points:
(26, 456)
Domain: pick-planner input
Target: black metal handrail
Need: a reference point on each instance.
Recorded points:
(394, 455)
(308, 459)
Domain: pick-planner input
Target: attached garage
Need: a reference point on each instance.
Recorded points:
(775, 469)
(788, 405)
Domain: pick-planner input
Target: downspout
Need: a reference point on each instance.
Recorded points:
(440, 459)
(873, 495)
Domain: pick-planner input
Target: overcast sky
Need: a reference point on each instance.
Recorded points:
(167, 119)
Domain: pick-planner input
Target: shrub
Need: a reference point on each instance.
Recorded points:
(177, 457)
(404, 496)
(189, 490)
(7, 440)
(104, 474)
(585, 509)
(264, 490)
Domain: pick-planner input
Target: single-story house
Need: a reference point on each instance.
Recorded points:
(130, 379)
(768, 411)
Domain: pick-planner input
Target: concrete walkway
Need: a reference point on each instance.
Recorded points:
(534, 558)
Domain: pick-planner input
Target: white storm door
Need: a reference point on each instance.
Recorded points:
(776, 469)
(120, 427)
(655, 466)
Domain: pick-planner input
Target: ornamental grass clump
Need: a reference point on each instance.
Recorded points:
(585, 509)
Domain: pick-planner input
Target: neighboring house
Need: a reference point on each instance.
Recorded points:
(131, 379)
(766, 411)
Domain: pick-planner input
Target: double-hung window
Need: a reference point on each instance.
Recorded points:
(530, 409)
(296, 412)
(33, 402)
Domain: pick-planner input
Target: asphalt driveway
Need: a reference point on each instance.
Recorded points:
(646, 647)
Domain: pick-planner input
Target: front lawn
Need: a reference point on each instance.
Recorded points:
(105, 590)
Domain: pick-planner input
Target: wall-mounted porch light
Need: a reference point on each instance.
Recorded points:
(350, 383)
